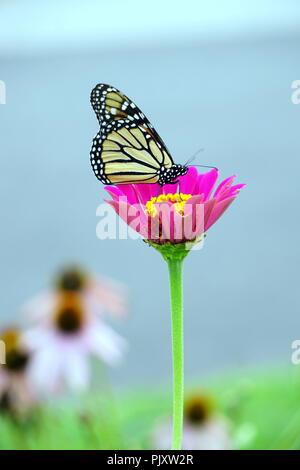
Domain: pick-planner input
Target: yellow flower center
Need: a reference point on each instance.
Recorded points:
(11, 339)
(197, 409)
(178, 200)
(16, 357)
(69, 317)
(71, 279)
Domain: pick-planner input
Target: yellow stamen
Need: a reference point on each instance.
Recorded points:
(178, 200)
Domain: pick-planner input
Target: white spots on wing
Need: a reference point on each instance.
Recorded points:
(134, 123)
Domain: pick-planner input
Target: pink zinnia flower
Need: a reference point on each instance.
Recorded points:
(173, 218)
(174, 213)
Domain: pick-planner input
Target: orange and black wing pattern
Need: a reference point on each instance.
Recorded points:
(127, 149)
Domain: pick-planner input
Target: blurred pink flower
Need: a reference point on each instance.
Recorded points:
(16, 392)
(68, 331)
(174, 212)
(203, 428)
(98, 295)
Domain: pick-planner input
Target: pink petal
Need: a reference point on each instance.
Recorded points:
(188, 181)
(129, 192)
(218, 210)
(76, 369)
(147, 191)
(40, 306)
(170, 189)
(104, 294)
(105, 343)
(206, 183)
(234, 190)
(225, 185)
(133, 215)
(114, 192)
(209, 205)
(194, 211)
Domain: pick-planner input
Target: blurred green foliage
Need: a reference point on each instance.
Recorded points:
(263, 410)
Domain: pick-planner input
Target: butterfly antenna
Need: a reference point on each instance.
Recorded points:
(193, 157)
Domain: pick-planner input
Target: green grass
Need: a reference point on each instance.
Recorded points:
(263, 408)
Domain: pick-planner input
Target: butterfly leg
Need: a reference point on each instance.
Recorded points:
(158, 191)
(175, 182)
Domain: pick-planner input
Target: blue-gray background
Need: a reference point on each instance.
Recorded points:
(227, 90)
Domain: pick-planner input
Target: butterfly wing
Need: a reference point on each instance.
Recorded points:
(127, 149)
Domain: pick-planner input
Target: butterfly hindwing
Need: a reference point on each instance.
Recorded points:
(127, 149)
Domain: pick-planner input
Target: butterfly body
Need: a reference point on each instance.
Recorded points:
(127, 148)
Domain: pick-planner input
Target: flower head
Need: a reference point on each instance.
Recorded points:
(69, 331)
(94, 294)
(16, 355)
(69, 315)
(72, 279)
(204, 428)
(174, 213)
(16, 393)
(197, 409)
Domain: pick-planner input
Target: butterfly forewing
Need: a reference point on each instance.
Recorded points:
(127, 149)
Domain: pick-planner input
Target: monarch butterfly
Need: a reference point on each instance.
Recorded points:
(127, 149)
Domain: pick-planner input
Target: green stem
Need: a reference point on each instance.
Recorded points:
(175, 277)
(174, 254)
